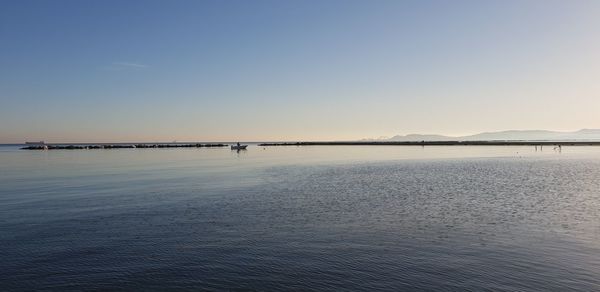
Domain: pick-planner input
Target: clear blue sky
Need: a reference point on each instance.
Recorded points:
(95, 71)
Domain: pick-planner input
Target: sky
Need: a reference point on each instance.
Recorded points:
(141, 71)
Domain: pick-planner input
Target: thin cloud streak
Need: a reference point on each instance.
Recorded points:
(122, 66)
(126, 64)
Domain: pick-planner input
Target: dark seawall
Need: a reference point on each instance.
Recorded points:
(119, 146)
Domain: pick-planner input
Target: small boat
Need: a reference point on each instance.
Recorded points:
(238, 147)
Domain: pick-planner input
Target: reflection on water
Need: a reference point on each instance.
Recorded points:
(303, 218)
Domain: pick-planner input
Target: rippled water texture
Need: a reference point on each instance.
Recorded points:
(303, 218)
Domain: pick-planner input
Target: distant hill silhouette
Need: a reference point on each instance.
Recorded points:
(512, 135)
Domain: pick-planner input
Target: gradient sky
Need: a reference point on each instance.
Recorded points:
(116, 71)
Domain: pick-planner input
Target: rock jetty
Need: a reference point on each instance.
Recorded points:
(120, 146)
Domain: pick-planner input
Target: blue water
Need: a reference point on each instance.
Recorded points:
(324, 218)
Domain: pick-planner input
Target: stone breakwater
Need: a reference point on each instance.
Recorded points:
(120, 146)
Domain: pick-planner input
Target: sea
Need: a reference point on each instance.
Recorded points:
(301, 218)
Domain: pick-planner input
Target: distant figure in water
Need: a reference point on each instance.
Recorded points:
(238, 144)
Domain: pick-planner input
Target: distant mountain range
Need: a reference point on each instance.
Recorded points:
(513, 135)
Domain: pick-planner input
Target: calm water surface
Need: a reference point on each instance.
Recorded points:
(301, 218)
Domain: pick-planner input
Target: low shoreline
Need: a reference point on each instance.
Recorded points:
(440, 143)
(119, 146)
(333, 143)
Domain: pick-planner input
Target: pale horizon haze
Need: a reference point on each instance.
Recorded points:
(137, 71)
